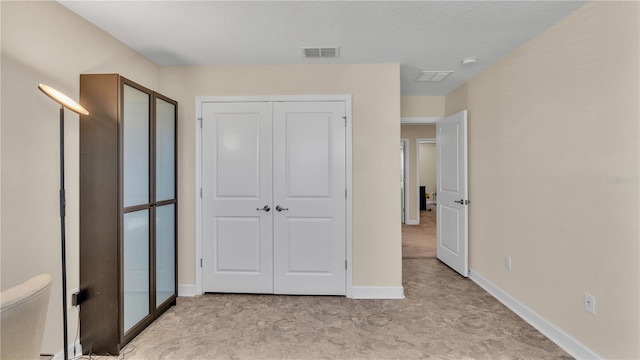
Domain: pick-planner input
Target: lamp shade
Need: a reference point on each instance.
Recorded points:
(63, 99)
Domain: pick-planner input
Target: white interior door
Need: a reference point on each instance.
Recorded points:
(237, 228)
(309, 198)
(452, 206)
(274, 197)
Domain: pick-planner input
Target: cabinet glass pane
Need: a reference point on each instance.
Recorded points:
(136, 267)
(165, 253)
(165, 150)
(136, 146)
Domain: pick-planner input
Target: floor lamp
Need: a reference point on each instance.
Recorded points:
(65, 102)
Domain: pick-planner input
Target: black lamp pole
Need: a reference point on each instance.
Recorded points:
(65, 102)
(62, 237)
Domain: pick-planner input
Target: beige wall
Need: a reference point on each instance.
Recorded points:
(456, 100)
(422, 106)
(43, 42)
(411, 133)
(376, 130)
(427, 166)
(553, 169)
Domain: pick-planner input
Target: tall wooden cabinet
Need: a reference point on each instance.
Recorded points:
(128, 210)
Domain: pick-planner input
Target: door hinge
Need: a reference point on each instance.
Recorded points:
(345, 193)
(345, 121)
(200, 119)
(200, 262)
(345, 264)
(200, 192)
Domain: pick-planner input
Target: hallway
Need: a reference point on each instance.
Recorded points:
(419, 241)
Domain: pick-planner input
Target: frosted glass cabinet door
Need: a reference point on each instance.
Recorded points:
(165, 253)
(136, 267)
(136, 146)
(165, 150)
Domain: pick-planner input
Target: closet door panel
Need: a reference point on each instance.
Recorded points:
(136, 146)
(165, 253)
(309, 198)
(237, 192)
(165, 150)
(136, 267)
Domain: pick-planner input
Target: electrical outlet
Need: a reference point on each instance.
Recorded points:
(78, 297)
(71, 297)
(507, 262)
(590, 303)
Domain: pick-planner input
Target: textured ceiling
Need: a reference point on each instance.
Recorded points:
(420, 35)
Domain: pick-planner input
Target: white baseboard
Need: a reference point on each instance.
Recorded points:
(187, 290)
(412, 222)
(561, 338)
(358, 292)
(60, 355)
(378, 292)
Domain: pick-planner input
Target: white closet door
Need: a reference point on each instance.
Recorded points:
(309, 188)
(236, 182)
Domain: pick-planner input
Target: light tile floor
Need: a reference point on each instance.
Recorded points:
(444, 316)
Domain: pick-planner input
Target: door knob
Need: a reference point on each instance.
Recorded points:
(280, 208)
(459, 201)
(265, 208)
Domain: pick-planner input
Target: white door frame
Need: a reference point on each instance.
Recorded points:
(405, 159)
(418, 142)
(276, 98)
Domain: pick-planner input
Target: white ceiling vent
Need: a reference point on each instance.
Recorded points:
(433, 76)
(321, 52)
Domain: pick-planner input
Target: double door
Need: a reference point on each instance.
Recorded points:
(273, 176)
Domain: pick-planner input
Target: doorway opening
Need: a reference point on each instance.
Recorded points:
(450, 195)
(419, 239)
